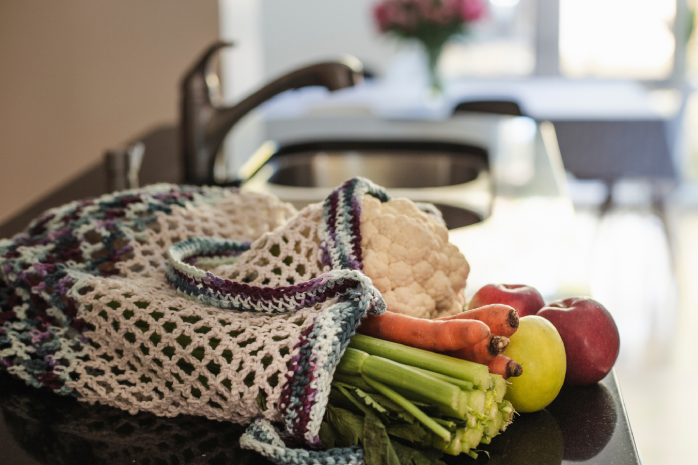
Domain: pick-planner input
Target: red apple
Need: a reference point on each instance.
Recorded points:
(590, 336)
(525, 299)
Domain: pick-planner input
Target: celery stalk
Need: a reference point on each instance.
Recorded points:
(405, 378)
(472, 420)
(464, 385)
(491, 406)
(499, 386)
(356, 381)
(505, 406)
(492, 427)
(472, 437)
(507, 413)
(408, 379)
(455, 447)
(462, 369)
(475, 400)
(447, 410)
(423, 418)
(449, 425)
(352, 361)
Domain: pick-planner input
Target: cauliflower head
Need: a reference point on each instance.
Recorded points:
(407, 255)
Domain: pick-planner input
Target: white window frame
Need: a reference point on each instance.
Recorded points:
(547, 43)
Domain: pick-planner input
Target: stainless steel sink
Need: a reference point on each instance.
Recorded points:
(454, 177)
(390, 169)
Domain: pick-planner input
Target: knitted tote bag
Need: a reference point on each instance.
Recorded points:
(264, 303)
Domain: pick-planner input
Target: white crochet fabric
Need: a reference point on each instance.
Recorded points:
(163, 353)
(245, 216)
(154, 350)
(287, 256)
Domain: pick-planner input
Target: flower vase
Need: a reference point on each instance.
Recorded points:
(431, 22)
(433, 55)
(433, 44)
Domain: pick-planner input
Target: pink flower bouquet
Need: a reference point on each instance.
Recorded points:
(431, 22)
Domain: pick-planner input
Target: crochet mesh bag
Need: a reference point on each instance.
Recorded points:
(193, 300)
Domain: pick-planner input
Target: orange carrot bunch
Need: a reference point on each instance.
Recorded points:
(479, 335)
(502, 320)
(432, 335)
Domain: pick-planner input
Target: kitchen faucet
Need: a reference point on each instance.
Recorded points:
(204, 125)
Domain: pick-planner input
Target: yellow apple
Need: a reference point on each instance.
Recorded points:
(538, 347)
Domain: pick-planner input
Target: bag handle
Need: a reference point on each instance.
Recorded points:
(223, 293)
(340, 242)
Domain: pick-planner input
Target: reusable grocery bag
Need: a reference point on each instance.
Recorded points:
(193, 300)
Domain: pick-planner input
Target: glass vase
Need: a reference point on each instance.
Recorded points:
(433, 55)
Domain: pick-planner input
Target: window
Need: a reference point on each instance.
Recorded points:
(617, 38)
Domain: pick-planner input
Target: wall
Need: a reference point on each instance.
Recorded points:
(80, 76)
(304, 31)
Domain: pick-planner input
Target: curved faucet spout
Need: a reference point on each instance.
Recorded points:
(204, 126)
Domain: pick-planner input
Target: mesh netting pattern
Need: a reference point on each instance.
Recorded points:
(163, 353)
(86, 309)
(285, 257)
(157, 351)
(233, 216)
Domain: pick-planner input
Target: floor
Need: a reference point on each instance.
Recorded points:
(645, 271)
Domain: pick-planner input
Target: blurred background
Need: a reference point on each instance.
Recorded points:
(616, 78)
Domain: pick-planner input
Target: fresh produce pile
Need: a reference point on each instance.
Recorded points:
(428, 376)
(410, 389)
(406, 405)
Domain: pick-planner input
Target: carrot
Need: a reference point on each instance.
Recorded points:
(432, 335)
(503, 320)
(503, 365)
(484, 351)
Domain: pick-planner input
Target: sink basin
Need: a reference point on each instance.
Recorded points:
(411, 165)
(454, 177)
(388, 169)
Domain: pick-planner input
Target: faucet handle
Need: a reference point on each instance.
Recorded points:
(203, 125)
(196, 81)
(333, 75)
(200, 65)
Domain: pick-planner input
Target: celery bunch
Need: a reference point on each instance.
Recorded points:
(383, 390)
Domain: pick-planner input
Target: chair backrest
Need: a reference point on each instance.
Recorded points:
(499, 107)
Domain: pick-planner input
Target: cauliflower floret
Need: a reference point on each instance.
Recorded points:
(407, 255)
